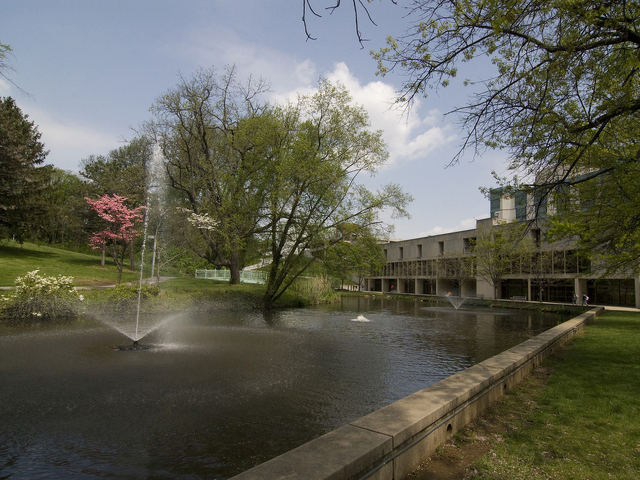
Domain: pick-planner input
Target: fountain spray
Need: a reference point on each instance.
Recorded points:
(144, 243)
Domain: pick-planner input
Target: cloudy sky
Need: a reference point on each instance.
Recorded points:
(92, 68)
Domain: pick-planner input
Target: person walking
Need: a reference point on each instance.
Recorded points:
(575, 298)
(585, 300)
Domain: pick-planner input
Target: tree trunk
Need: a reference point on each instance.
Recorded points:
(132, 261)
(234, 268)
(103, 259)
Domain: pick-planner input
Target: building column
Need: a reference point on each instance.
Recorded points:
(636, 282)
(580, 288)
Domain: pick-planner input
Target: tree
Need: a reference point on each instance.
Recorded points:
(496, 249)
(357, 255)
(359, 8)
(216, 138)
(325, 145)
(458, 269)
(124, 172)
(66, 211)
(564, 98)
(20, 177)
(4, 49)
(4, 66)
(120, 231)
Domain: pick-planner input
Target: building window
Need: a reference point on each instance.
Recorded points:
(495, 203)
(419, 251)
(440, 248)
(401, 253)
(521, 206)
(469, 243)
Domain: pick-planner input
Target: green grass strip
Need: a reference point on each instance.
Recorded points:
(586, 424)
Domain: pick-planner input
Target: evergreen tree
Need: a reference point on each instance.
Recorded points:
(21, 152)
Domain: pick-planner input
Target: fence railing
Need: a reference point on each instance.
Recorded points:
(225, 275)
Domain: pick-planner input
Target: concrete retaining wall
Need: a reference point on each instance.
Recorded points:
(391, 442)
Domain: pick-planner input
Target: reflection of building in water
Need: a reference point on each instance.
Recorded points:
(438, 264)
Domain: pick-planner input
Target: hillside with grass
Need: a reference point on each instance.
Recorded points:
(18, 259)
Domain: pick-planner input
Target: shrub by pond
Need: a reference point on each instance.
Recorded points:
(38, 298)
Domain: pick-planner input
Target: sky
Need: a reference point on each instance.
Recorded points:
(86, 73)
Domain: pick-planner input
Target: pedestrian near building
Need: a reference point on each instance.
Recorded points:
(585, 300)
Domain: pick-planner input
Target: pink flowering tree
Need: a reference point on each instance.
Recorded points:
(121, 228)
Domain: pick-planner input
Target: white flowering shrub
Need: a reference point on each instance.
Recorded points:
(40, 298)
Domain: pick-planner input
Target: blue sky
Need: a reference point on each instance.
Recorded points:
(92, 69)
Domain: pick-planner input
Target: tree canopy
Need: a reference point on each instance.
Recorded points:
(258, 180)
(326, 146)
(120, 226)
(563, 98)
(215, 134)
(21, 153)
(496, 249)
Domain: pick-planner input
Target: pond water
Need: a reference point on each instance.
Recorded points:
(221, 393)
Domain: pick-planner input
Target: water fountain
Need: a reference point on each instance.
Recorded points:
(455, 301)
(154, 174)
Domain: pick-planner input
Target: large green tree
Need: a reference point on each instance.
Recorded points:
(356, 256)
(65, 210)
(498, 248)
(326, 146)
(216, 137)
(123, 171)
(563, 97)
(21, 177)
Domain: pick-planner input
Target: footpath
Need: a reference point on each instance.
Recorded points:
(577, 416)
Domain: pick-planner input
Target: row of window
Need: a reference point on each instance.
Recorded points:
(467, 248)
(540, 263)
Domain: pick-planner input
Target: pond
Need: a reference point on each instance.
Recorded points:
(220, 393)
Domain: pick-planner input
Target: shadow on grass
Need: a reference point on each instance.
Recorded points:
(17, 252)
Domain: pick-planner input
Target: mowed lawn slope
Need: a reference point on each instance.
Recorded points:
(16, 260)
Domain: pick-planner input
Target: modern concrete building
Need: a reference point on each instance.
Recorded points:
(445, 264)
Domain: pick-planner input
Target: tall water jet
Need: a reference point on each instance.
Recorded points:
(156, 161)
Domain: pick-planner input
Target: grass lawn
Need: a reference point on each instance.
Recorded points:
(577, 417)
(16, 260)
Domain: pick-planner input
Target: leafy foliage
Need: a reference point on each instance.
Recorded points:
(41, 298)
(325, 145)
(20, 179)
(215, 136)
(121, 229)
(496, 249)
(314, 290)
(563, 98)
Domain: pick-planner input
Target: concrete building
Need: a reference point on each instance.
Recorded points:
(445, 264)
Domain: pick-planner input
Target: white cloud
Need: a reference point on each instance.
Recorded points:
(223, 47)
(408, 137)
(69, 142)
(466, 224)
(5, 87)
